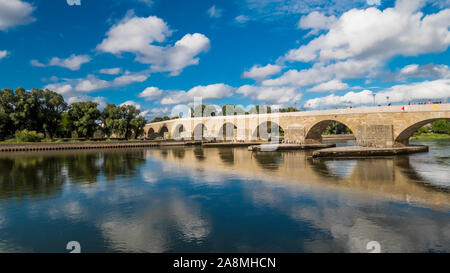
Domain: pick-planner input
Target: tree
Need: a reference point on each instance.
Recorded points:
(6, 110)
(50, 107)
(65, 125)
(84, 116)
(26, 111)
(260, 109)
(128, 113)
(289, 109)
(138, 125)
(123, 120)
(159, 119)
(337, 128)
(110, 115)
(231, 110)
(440, 127)
(198, 110)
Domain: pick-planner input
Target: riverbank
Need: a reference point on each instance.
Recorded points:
(54, 146)
(356, 151)
(430, 136)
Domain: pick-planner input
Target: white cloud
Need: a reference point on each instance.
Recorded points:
(316, 21)
(14, 13)
(424, 71)
(3, 54)
(91, 83)
(319, 73)
(137, 35)
(81, 97)
(261, 72)
(333, 85)
(214, 12)
(129, 78)
(372, 33)
(37, 63)
(437, 89)
(241, 19)
(151, 93)
(212, 91)
(74, 62)
(111, 71)
(361, 41)
(162, 111)
(182, 54)
(132, 103)
(277, 95)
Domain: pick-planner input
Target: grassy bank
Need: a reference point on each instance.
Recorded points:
(430, 136)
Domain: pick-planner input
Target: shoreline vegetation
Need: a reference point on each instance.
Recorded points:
(42, 116)
(430, 136)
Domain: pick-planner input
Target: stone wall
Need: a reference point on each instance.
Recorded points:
(379, 136)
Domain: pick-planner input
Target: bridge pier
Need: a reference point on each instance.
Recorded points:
(295, 134)
(376, 136)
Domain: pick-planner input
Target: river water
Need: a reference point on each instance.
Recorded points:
(224, 200)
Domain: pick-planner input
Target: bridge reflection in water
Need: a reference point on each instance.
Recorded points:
(223, 200)
(393, 178)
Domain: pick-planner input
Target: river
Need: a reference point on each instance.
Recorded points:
(188, 199)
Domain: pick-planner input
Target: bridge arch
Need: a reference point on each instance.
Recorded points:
(200, 132)
(228, 131)
(268, 129)
(163, 130)
(314, 134)
(178, 131)
(151, 133)
(405, 134)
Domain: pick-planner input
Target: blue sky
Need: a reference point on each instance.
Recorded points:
(157, 54)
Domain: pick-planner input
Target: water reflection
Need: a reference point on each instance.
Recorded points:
(227, 155)
(223, 200)
(43, 174)
(35, 177)
(269, 160)
(151, 228)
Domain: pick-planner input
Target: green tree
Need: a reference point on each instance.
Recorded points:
(51, 105)
(440, 127)
(289, 109)
(6, 110)
(65, 125)
(128, 113)
(159, 119)
(337, 128)
(84, 116)
(110, 116)
(231, 110)
(26, 111)
(138, 125)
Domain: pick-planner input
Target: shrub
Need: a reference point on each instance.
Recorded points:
(29, 136)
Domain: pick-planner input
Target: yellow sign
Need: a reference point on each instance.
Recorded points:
(435, 107)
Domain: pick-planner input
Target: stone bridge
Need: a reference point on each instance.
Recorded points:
(381, 126)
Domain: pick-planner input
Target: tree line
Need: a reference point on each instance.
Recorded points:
(45, 112)
(436, 127)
